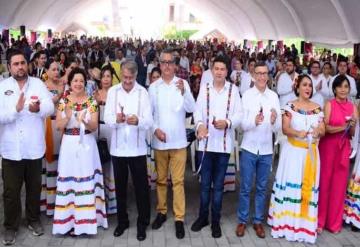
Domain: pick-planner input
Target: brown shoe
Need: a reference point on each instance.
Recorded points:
(259, 230)
(240, 229)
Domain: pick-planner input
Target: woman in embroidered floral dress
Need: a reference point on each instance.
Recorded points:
(80, 200)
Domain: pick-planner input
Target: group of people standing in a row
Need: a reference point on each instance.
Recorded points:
(41, 121)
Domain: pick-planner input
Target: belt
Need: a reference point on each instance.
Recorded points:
(75, 132)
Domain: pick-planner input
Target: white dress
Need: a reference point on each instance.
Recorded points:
(110, 195)
(352, 200)
(49, 170)
(80, 199)
(293, 208)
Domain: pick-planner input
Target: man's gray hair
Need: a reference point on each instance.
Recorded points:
(130, 65)
(167, 51)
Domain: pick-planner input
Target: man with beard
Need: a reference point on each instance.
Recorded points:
(319, 83)
(25, 103)
(286, 83)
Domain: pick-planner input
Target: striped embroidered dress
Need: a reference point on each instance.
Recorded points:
(80, 199)
(352, 201)
(108, 171)
(50, 165)
(294, 200)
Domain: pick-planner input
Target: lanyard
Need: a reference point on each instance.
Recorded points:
(208, 113)
(207, 121)
(138, 115)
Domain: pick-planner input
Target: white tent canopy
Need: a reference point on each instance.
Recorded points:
(332, 22)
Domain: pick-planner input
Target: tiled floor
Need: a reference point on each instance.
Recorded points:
(165, 236)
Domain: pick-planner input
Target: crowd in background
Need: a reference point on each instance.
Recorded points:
(194, 57)
(317, 94)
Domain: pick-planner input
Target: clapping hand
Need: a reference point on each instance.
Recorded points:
(68, 112)
(220, 124)
(21, 102)
(302, 134)
(273, 116)
(34, 106)
(132, 120)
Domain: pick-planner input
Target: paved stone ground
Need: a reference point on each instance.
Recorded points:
(165, 236)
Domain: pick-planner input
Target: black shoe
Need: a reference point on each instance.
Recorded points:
(199, 224)
(120, 229)
(9, 237)
(141, 233)
(159, 220)
(215, 230)
(36, 228)
(179, 229)
(354, 228)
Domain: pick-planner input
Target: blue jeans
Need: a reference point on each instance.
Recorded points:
(259, 166)
(213, 172)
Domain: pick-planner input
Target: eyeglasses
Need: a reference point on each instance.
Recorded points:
(315, 67)
(261, 73)
(167, 62)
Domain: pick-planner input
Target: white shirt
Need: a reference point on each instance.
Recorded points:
(245, 83)
(128, 140)
(23, 133)
(218, 107)
(285, 88)
(271, 66)
(184, 62)
(258, 139)
(169, 108)
(318, 96)
(353, 90)
(120, 61)
(245, 80)
(206, 77)
(148, 72)
(326, 90)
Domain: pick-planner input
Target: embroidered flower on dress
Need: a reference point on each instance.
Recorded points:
(304, 112)
(90, 104)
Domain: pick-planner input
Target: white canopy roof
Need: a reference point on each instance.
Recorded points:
(333, 22)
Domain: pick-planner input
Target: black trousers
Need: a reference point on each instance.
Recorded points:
(14, 174)
(138, 170)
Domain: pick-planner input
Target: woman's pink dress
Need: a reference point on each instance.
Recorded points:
(334, 151)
